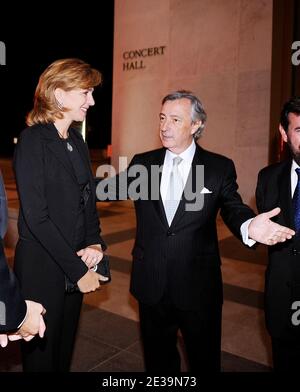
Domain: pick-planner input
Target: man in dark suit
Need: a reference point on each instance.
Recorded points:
(18, 318)
(176, 273)
(278, 185)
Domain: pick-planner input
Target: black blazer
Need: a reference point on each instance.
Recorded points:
(3, 208)
(12, 304)
(283, 270)
(49, 197)
(184, 259)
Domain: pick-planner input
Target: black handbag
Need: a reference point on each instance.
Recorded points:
(103, 269)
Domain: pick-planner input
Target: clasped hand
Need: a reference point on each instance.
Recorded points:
(32, 325)
(91, 255)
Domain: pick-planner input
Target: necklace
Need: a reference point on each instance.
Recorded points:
(69, 146)
(62, 136)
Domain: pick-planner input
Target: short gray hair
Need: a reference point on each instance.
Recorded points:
(198, 112)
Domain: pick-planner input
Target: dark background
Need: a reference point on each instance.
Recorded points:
(34, 38)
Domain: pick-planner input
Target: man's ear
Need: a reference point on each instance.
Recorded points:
(283, 133)
(195, 126)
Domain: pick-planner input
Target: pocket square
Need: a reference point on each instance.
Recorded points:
(205, 190)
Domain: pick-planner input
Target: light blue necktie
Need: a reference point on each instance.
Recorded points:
(296, 203)
(175, 190)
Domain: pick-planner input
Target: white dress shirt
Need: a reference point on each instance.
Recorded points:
(294, 177)
(184, 168)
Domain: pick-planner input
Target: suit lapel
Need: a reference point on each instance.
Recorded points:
(81, 147)
(285, 195)
(55, 144)
(191, 184)
(158, 204)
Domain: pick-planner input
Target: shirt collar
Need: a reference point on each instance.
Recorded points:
(294, 167)
(187, 155)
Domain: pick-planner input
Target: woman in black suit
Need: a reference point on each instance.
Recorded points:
(59, 235)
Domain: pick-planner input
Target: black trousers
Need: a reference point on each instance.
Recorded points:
(201, 332)
(43, 281)
(53, 353)
(286, 354)
(286, 348)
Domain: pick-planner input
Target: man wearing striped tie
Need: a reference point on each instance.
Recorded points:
(176, 274)
(279, 185)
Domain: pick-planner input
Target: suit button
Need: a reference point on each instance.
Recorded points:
(170, 233)
(295, 252)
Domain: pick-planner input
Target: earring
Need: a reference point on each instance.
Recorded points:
(60, 106)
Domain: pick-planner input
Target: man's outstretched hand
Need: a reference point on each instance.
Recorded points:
(267, 232)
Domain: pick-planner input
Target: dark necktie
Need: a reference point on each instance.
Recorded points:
(296, 203)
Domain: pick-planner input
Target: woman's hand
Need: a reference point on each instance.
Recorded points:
(89, 282)
(91, 255)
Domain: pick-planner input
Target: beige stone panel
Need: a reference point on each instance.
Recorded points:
(218, 94)
(137, 93)
(219, 49)
(135, 118)
(140, 9)
(152, 69)
(253, 108)
(249, 161)
(140, 24)
(255, 38)
(203, 36)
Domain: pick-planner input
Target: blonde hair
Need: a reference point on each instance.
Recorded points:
(67, 74)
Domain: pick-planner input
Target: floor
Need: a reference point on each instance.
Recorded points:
(108, 337)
